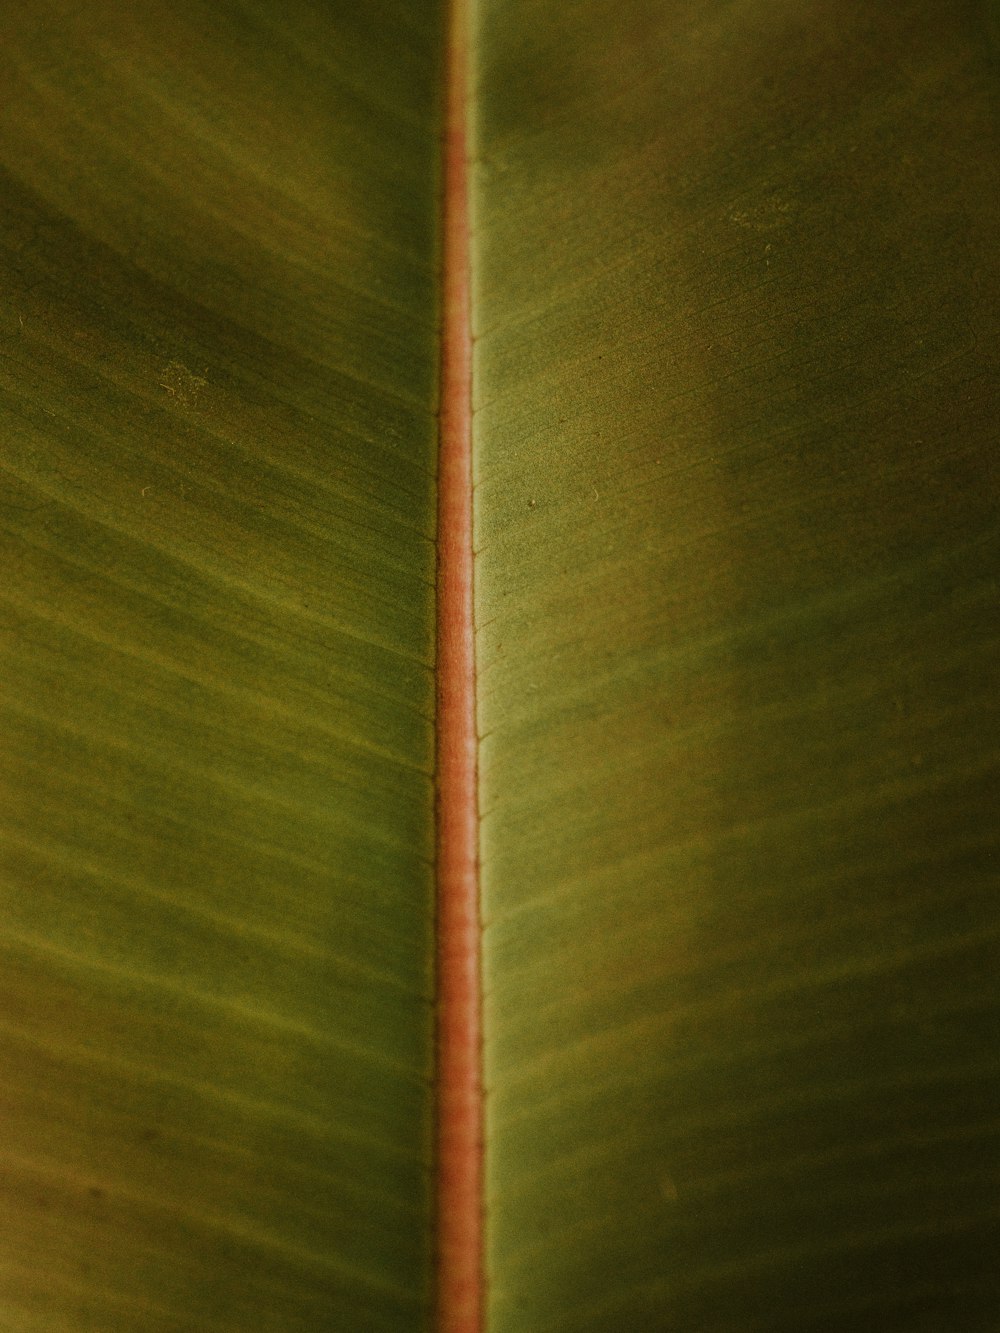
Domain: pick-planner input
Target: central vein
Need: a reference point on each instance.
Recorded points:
(459, 1240)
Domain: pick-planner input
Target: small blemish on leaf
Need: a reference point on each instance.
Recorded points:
(668, 1188)
(182, 384)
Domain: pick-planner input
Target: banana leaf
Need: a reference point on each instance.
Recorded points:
(736, 307)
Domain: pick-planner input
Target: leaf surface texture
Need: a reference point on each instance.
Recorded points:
(736, 384)
(218, 362)
(736, 290)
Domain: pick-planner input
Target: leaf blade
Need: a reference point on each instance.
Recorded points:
(219, 379)
(736, 543)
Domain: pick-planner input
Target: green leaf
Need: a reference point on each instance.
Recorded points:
(219, 360)
(736, 290)
(737, 588)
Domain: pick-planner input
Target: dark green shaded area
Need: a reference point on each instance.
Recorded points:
(738, 297)
(218, 361)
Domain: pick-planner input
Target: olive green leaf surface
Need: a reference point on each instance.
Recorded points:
(737, 305)
(218, 352)
(738, 319)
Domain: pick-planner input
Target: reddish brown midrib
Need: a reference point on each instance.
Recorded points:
(459, 1239)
